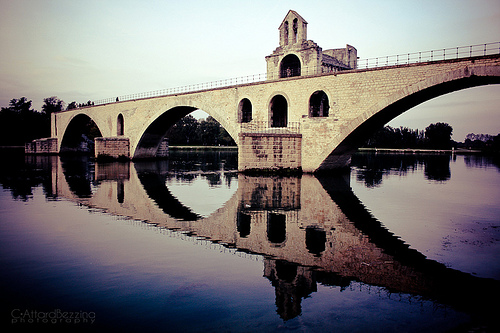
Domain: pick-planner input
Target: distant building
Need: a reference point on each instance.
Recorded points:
(297, 56)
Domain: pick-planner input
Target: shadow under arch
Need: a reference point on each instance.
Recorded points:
(79, 135)
(383, 112)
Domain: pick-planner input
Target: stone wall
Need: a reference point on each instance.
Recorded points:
(41, 146)
(113, 147)
(269, 152)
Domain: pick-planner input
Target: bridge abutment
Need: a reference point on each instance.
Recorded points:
(41, 146)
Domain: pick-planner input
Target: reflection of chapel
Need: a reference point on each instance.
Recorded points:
(298, 56)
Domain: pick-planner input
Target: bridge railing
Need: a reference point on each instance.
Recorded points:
(400, 59)
(434, 55)
(265, 128)
(184, 89)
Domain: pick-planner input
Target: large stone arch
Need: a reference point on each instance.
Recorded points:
(153, 133)
(79, 133)
(388, 108)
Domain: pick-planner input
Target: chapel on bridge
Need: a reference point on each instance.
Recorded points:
(296, 56)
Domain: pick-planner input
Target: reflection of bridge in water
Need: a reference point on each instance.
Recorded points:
(310, 230)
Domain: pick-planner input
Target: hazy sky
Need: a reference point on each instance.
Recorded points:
(88, 50)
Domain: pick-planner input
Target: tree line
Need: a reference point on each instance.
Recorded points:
(435, 136)
(20, 123)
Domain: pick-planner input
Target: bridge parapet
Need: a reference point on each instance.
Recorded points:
(460, 52)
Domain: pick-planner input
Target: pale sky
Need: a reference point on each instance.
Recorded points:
(92, 49)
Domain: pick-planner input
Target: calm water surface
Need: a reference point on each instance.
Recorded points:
(399, 244)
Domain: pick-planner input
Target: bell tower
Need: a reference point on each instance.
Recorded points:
(298, 56)
(293, 30)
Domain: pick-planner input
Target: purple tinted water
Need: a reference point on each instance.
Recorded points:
(116, 259)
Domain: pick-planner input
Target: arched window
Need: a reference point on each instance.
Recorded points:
(318, 104)
(295, 30)
(285, 37)
(245, 111)
(278, 109)
(290, 66)
(119, 125)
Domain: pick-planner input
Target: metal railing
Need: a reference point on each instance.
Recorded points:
(185, 89)
(434, 55)
(394, 60)
(264, 127)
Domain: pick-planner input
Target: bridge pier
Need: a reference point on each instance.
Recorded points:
(112, 147)
(270, 152)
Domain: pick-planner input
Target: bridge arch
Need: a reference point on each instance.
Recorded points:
(153, 136)
(79, 135)
(388, 108)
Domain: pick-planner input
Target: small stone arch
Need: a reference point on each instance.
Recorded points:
(245, 111)
(120, 128)
(318, 104)
(278, 111)
(290, 66)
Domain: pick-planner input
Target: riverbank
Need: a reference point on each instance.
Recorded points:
(420, 151)
(218, 148)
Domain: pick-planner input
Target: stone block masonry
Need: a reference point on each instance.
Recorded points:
(112, 148)
(41, 146)
(273, 152)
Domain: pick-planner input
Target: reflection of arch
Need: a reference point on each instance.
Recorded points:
(243, 224)
(278, 111)
(154, 185)
(245, 111)
(383, 111)
(276, 228)
(120, 125)
(315, 240)
(318, 104)
(79, 135)
(290, 66)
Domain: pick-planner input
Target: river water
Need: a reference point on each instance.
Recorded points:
(401, 243)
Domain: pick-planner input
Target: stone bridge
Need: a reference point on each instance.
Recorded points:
(315, 108)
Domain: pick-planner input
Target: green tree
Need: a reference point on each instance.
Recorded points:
(438, 136)
(52, 104)
(184, 132)
(19, 123)
(209, 131)
(72, 106)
